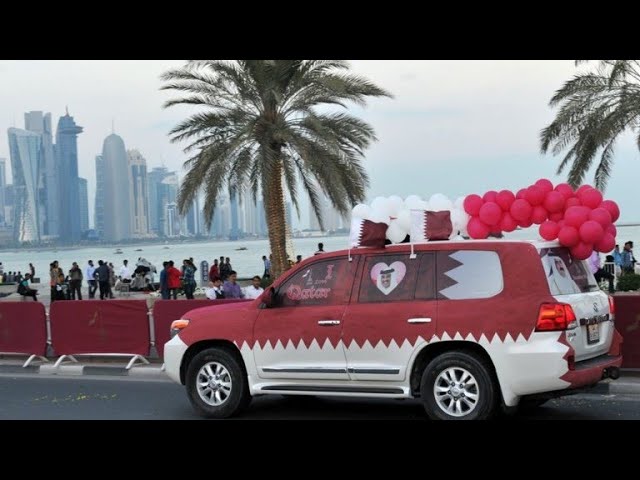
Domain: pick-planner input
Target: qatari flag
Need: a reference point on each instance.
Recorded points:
(426, 225)
(365, 233)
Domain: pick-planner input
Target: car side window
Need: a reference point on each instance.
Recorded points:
(468, 274)
(426, 285)
(327, 282)
(388, 278)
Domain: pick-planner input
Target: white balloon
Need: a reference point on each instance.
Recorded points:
(412, 202)
(382, 206)
(440, 202)
(395, 232)
(424, 205)
(459, 203)
(362, 211)
(458, 219)
(377, 217)
(396, 205)
(404, 220)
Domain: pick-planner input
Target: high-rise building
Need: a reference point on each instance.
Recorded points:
(83, 209)
(8, 204)
(117, 207)
(193, 218)
(251, 225)
(168, 194)
(221, 225)
(172, 222)
(139, 194)
(3, 186)
(156, 207)
(332, 220)
(48, 184)
(25, 149)
(233, 211)
(66, 153)
(314, 222)
(262, 219)
(99, 206)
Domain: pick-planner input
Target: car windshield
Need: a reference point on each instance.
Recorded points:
(565, 274)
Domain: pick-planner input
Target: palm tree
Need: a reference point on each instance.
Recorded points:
(595, 109)
(265, 125)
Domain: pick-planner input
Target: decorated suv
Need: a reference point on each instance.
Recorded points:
(465, 326)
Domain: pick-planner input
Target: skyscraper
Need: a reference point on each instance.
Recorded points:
(262, 219)
(250, 216)
(48, 215)
(168, 194)
(172, 221)
(156, 207)
(193, 218)
(117, 207)
(98, 212)
(66, 153)
(25, 149)
(233, 207)
(3, 186)
(83, 204)
(139, 194)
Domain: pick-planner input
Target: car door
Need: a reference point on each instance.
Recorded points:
(299, 336)
(391, 313)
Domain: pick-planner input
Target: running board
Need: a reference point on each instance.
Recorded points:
(311, 388)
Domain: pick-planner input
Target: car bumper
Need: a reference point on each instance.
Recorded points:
(591, 371)
(174, 350)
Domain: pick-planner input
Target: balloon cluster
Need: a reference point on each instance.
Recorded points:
(580, 220)
(396, 212)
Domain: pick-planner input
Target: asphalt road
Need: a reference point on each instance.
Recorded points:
(98, 398)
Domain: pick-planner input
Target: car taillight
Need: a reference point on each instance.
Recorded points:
(555, 316)
(612, 306)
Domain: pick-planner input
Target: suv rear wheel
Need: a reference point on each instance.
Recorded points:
(216, 384)
(457, 386)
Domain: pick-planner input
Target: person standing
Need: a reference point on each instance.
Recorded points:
(214, 271)
(598, 272)
(75, 281)
(173, 280)
(231, 288)
(90, 271)
(164, 281)
(54, 273)
(102, 273)
(225, 269)
(125, 272)
(627, 260)
(188, 277)
(320, 249)
(254, 290)
(267, 266)
(32, 271)
(112, 278)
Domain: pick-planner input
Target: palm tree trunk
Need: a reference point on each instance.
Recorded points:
(275, 215)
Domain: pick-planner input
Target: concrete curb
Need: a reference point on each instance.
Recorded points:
(154, 372)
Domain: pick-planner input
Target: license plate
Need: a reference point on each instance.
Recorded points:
(593, 333)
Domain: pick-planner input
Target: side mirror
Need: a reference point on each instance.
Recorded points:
(268, 298)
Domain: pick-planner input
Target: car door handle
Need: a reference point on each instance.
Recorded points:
(327, 323)
(419, 320)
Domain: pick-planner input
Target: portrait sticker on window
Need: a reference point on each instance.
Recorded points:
(388, 278)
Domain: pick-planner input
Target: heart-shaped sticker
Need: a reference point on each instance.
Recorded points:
(388, 277)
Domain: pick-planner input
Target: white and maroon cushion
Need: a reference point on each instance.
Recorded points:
(365, 233)
(426, 225)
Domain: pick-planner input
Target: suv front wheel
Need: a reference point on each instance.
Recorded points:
(457, 386)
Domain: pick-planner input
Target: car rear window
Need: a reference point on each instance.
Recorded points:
(565, 274)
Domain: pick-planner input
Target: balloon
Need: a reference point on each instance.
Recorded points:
(495, 230)
(565, 189)
(472, 204)
(591, 232)
(440, 202)
(545, 185)
(362, 211)
(458, 219)
(572, 202)
(521, 193)
(504, 199)
(377, 217)
(412, 202)
(525, 223)
(395, 232)
(490, 213)
(404, 220)
(459, 203)
(612, 208)
(520, 210)
(612, 230)
(601, 215)
(553, 202)
(576, 216)
(549, 230)
(581, 189)
(396, 205)
(556, 217)
(534, 195)
(568, 236)
(490, 196)
(508, 223)
(381, 205)
(477, 229)
(591, 198)
(538, 214)
(560, 224)
(582, 251)
(606, 244)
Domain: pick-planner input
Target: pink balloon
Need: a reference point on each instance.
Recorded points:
(534, 195)
(582, 251)
(472, 204)
(560, 224)
(490, 213)
(508, 223)
(556, 217)
(601, 215)
(582, 188)
(576, 216)
(477, 229)
(591, 232)
(572, 202)
(611, 229)
(549, 230)
(521, 193)
(591, 198)
(606, 244)
(504, 199)
(565, 189)
(520, 210)
(495, 230)
(612, 208)
(544, 184)
(539, 214)
(553, 202)
(568, 236)
(525, 223)
(490, 196)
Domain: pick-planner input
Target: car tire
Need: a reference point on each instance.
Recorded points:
(227, 391)
(458, 386)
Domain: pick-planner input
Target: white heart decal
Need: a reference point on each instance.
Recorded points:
(387, 277)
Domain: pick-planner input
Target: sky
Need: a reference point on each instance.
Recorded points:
(453, 127)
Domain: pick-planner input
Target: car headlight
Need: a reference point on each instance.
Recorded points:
(177, 326)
